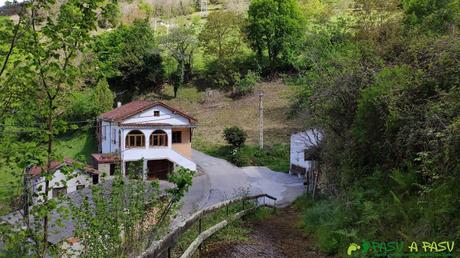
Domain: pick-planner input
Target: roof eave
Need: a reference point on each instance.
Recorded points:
(153, 104)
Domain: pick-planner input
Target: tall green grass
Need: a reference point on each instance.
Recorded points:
(275, 157)
(399, 211)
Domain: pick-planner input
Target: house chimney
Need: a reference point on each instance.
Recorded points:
(118, 104)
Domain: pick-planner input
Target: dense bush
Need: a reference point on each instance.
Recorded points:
(388, 102)
(91, 102)
(130, 59)
(437, 15)
(246, 85)
(274, 157)
(275, 27)
(235, 136)
(134, 169)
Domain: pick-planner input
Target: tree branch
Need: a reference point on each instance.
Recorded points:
(12, 44)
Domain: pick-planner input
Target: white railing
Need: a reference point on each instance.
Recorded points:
(158, 153)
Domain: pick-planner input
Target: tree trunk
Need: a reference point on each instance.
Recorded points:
(181, 72)
(48, 170)
(315, 179)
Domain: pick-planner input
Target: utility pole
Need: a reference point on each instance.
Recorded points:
(261, 120)
(204, 8)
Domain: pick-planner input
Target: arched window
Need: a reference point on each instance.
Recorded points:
(159, 138)
(135, 139)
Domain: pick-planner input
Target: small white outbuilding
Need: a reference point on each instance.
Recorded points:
(301, 145)
(61, 183)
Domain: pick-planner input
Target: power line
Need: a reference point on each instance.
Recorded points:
(32, 129)
(90, 121)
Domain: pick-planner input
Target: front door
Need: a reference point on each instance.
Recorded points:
(159, 169)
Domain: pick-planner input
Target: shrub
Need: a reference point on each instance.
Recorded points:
(135, 169)
(246, 85)
(274, 157)
(235, 136)
(90, 102)
(236, 157)
(221, 74)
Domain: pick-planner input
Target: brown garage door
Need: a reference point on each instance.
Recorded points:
(159, 169)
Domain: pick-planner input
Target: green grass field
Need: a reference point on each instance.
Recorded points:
(216, 110)
(78, 146)
(10, 183)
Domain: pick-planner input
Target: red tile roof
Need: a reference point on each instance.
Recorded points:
(106, 157)
(136, 107)
(126, 110)
(37, 170)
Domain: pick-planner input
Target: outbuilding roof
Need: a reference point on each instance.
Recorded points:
(106, 157)
(135, 107)
(54, 165)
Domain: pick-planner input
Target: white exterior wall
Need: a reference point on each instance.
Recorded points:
(110, 137)
(153, 153)
(58, 180)
(138, 153)
(300, 142)
(166, 116)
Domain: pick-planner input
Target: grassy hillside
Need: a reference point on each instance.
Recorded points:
(215, 111)
(77, 146)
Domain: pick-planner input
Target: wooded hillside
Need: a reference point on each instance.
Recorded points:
(379, 79)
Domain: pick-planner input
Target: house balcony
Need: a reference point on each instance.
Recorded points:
(171, 144)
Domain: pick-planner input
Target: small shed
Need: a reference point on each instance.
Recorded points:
(304, 151)
(80, 178)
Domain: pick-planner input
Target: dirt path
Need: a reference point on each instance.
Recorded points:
(277, 236)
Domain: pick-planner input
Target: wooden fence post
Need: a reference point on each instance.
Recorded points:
(166, 244)
(199, 232)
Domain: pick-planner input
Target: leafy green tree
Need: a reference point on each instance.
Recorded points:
(181, 43)
(245, 85)
(50, 43)
(124, 220)
(275, 27)
(87, 104)
(222, 35)
(437, 15)
(222, 39)
(110, 15)
(129, 58)
(388, 104)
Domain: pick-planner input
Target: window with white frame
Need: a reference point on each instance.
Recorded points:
(159, 138)
(135, 139)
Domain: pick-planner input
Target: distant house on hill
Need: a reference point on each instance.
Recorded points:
(61, 183)
(154, 132)
(11, 9)
(304, 151)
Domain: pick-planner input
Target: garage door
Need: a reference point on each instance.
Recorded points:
(159, 169)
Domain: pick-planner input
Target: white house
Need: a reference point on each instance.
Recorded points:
(61, 183)
(301, 143)
(153, 131)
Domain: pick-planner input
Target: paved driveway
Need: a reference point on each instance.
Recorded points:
(222, 180)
